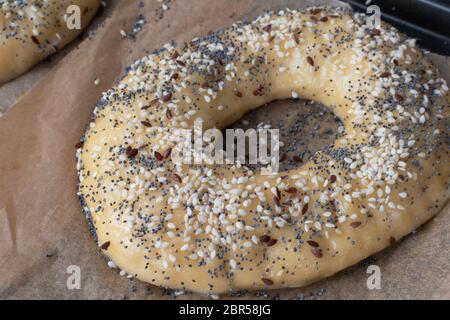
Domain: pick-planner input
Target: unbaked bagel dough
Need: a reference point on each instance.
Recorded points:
(212, 228)
(31, 30)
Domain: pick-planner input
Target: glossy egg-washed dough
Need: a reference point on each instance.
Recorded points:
(31, 30)
(214, 228)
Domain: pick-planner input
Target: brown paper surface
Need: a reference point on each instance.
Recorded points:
(42, 229)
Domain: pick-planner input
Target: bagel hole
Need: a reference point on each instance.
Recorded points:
(305, 128)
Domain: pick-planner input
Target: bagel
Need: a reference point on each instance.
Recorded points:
(213, 228)
(31, 30)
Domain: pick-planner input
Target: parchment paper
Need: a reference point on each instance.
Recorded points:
(42, 229)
